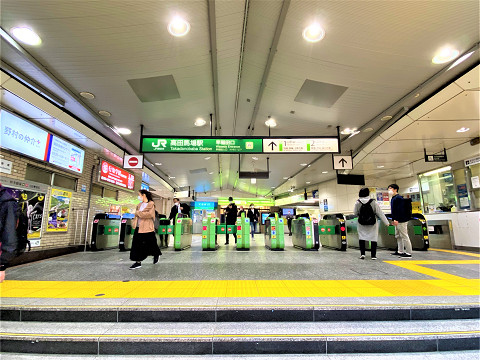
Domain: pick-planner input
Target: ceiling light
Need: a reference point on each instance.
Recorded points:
(200, 122)
(308, 182)
(446, 168)
(313, 33)
(354, 133)
(386, 117)
(348, 131)
(124, 131)
(178, 27)
(445, 55)
(87, 95)
(208, 158)
(368, 130)
(304, 164)
(253, 181)
(463, 129)
(254, 158)
(171, 177)
(417, 95)
(26, 35)
(210, 173)
(285, 178)
(272, 187)
(461, 59)
(158, 164)
(324, 172)
(105, 113)
(271, 122)
(380, 166)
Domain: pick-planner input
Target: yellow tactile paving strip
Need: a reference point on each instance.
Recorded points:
(443, 284)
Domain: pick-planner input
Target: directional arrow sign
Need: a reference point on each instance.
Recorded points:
(342, 162)
(272, 144)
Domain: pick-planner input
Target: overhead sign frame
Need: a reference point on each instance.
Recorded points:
(158, 144)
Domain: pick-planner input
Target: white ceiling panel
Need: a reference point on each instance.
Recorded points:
(471, 80)
(415, 146)
(439, 130)
(464, 106)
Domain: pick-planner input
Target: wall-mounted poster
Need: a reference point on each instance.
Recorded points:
(31, 204)
(59, 210)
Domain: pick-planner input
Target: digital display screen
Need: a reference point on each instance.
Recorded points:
(65, 155)
(116, 176)
(144, 186)
(264, 217)
(286, 212)
(21, 136)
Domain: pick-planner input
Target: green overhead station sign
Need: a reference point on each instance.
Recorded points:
(240, 145)
(201, 145)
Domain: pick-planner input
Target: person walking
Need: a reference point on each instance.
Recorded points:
(253, 214)
(144, 240)
(367, 211)
(231, 217)
(8, 230)
(241, 211)
(400, 220)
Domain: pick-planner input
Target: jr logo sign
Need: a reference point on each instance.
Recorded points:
(160, 142)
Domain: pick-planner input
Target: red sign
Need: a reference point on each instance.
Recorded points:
(116, 176)
(322, 229)
(133, 161)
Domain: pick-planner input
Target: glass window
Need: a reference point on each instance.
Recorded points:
(110, 193)
(64, 181)
(438, 190)
(475, 185)
(97, 190)
(38, 175)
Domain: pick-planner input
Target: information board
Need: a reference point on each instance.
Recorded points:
(114, 175)
(241, 145)
(65, 155)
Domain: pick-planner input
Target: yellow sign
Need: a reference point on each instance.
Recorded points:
(59, 210)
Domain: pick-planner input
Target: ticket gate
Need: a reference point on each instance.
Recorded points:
(105, 231)
(351, 222)
(126, 232)
(333, 232)
(274, 233)
(417, 232)
(243, 233)
(209, 234)
(440, 233)
(164, 231)
(302, 234)
(182, 233)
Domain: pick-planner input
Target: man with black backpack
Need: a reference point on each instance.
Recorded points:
(8, 230)
(401, 213)
(367, 211)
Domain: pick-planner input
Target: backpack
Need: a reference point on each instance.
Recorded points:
(407, 208)
(22, 233)
(366, 215)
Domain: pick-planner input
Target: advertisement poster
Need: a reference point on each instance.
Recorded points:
(31, 204)
(65, 155)
(114, 209)
(59, 210)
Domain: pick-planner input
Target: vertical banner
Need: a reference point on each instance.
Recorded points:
(59, 210)
(31, 204)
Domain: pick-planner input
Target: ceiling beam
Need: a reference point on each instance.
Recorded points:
(212, 26)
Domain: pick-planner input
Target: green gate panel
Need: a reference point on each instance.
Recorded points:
(162, 230)
(231, 229)
(221, 229)
(417, 230)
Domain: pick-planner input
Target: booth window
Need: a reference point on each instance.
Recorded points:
(64, 181)
(38, 175)
(110, 193)
(438, 190)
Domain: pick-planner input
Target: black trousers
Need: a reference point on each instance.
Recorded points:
(373, 245)
(143, 245)
(234, 235)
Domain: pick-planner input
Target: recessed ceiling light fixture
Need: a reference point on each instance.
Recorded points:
(105, 113)
(445, 55)
(463, 129)
(368, 130)
(124, 131)
(26, 35)
(313, 33)
(171, 177)
(386, 117)
(208, 158)
(158, 164)
(380, 166)
(200, 122)
(178, 27)
(87, 95)
(417, 95)
(272, 187)
(254, 158)
(285, 178)
(355, 132)
(210, 173)
(307, 182)
(253, 181)
(348, 131)
(303, 164)
(271, 122)
(324, 172)
(461, 59)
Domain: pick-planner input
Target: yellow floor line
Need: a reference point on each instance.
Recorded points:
(415, 266)
(167, 336)
(456, 252)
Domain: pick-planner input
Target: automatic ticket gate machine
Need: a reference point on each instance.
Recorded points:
(126, 232)
(182, 233)
(333, 232)
(164, 230)
(417, 232)
(351, 222)
(105, 231)
(209, 234)
(243, 233)
(274, 233)
(303, 237)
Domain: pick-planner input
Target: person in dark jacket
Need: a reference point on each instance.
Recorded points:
(400, 221)
(253, 215)
(231, 217)
(8, 230)
(178, 208)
